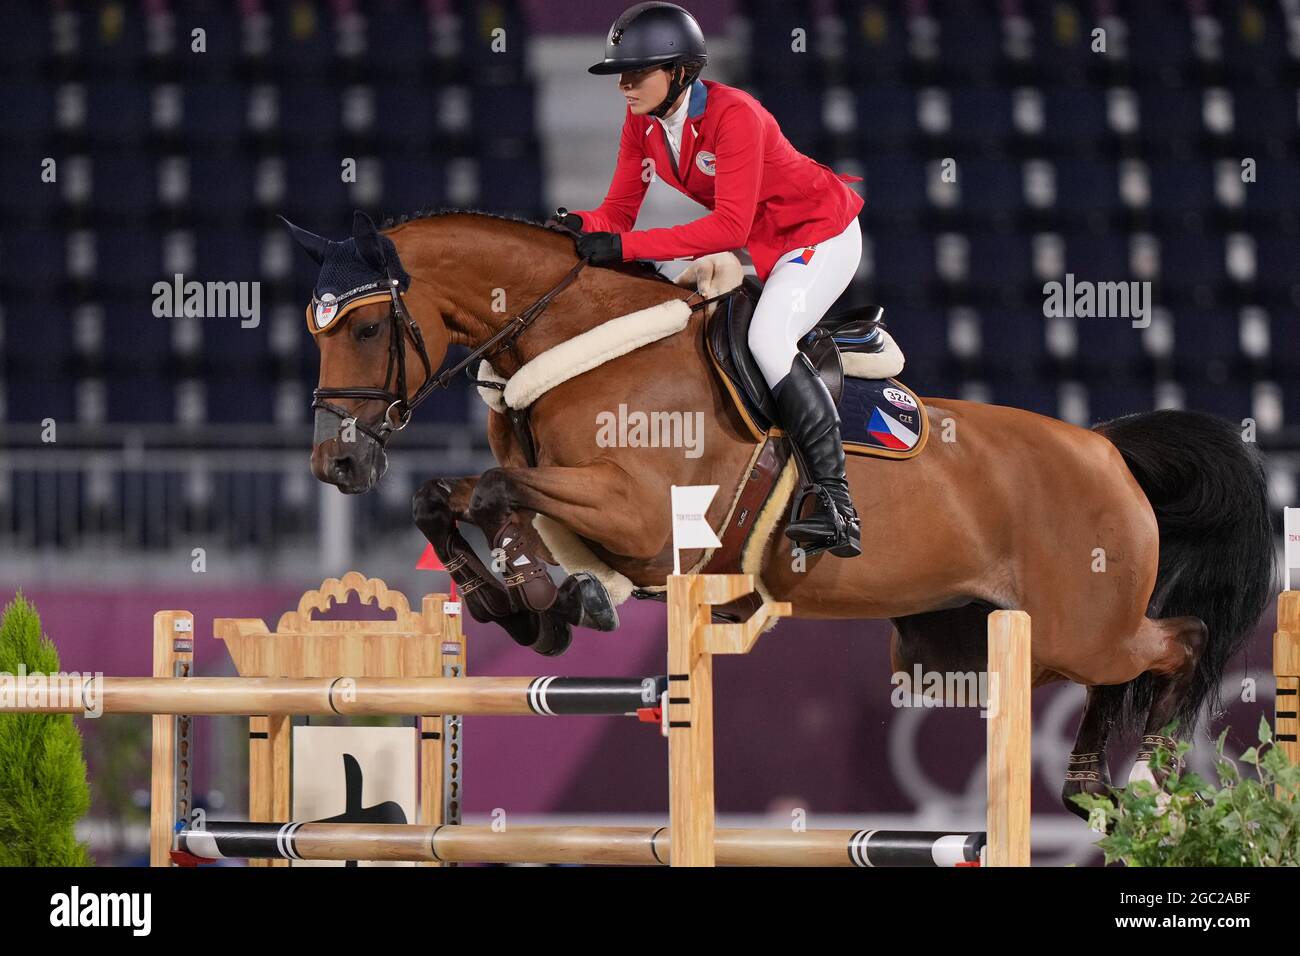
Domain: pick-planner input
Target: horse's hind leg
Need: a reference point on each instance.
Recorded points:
(1176, 645)
(1087, 771)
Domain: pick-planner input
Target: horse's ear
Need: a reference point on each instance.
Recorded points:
(314, 244)
(367, 240)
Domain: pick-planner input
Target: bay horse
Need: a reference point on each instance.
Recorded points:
(1141, 548)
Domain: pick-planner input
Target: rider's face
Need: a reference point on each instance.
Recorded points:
(644, 89)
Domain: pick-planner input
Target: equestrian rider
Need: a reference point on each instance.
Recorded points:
(718, 145)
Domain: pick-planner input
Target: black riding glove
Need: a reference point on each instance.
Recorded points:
(562, 217)
(600, 247)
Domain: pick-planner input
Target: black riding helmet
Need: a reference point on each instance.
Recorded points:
(655, 34)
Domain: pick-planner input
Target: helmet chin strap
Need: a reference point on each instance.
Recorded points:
(680, 81)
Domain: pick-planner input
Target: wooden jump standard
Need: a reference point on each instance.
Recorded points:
(1286, 668)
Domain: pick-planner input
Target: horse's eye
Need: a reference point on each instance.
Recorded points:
(369, 331)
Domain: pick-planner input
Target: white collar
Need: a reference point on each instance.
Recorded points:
(677, 118)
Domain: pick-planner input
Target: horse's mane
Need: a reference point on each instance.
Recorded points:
(639, 269)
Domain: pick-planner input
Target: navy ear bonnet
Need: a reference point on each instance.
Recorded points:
(354, 272)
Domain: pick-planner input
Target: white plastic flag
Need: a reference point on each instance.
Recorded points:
(691, 528)
(1291, 534)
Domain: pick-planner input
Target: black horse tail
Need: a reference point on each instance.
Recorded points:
(1217, 559)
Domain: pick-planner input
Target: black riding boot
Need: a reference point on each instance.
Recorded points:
(809, 417)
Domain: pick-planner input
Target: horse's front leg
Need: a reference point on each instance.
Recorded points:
(436, 506)
(597, 502)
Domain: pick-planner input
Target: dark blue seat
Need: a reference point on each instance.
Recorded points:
(214, 112)
(1109, 399)
(1086, 186)
(28, 26)
(303, 39)
(1189, 259)
(221, 185)
(34, 260)
(123, 184)
(1170, 115)
(136, 342)
(29, 111)
(119, 111)
(1231, 400)
(33, 398)
(24, 195)
(998, 260)
(1181, 186)
(406, 117)
(875, 40)
(482, 28)
(113, 38)
(970, 39)
(886, 117)
(129, 259)
(135, 398)
(922, 334)
(314, 189)
(39, 336)
(1207, 344)
(797, 107)
(1073, 117)
(1254, 39)
(894, 185)
(1032, 396)
(232, 399)
(1276, 189)
(398, 37)
(980, 116)
(222, 23)
(903, 260)
(1159, 41)
(310, 114)
(502, 110)
(510, 179)
(1264, 115)
(1276, 257)
(1012, 342)
(989, 186)
(413, 183)
(1101, 258)
(1062, 42)
(772, 25)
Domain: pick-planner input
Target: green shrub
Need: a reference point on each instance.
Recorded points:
(43, 788)
(1251, 818)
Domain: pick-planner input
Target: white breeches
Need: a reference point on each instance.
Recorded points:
(797, 295)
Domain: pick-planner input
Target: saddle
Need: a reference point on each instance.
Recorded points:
(728, 339)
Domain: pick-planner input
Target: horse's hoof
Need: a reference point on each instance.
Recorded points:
(598, 610)
(553, 636)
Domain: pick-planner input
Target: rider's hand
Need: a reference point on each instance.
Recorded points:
(562, 217)
(600, 247)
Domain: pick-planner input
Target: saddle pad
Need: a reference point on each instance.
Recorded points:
(882, 418)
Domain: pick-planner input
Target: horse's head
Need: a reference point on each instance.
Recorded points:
(375, 364)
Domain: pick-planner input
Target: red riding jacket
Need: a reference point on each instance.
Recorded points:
(765, 194)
